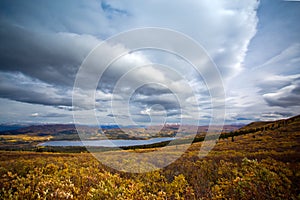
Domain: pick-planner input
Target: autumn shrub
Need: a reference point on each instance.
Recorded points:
(65, 178)
(267, 179)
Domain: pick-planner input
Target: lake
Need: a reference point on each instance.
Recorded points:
(105, 143)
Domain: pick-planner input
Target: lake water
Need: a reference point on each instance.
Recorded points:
(105, 143)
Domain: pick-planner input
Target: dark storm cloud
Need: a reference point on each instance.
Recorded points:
(168, 103)
(34, 97)
(110, 115)
(51, 57)
(153, 90)
(277, 114)
(286, 96)
(272, 85)
(24, 89)
(296, 91)
(39, 66)
(284, 102)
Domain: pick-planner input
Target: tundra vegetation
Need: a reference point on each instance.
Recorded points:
(261, 162)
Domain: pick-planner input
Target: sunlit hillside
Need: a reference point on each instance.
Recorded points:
(259, 161)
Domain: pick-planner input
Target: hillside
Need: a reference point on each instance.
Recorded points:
(272, 125)
(278, 139)
(262, 161)
(283, 125)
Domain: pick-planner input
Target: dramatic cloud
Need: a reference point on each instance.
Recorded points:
(50, 57)
(43, 44)
(280, 86)
(285, 97)
(22, 88)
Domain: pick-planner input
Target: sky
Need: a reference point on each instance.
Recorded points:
(255, 46)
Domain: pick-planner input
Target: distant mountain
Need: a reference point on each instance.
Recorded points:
(115, 126)
(54, 128)
(27, 138)
(115, 131)
(63, 130)
(40, 129)
(10, 127)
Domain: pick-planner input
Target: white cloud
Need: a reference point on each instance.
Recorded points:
(225, 25)
(286, 62)
(34, 114)
(287, 96)
(266, 89)
(58, 45)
